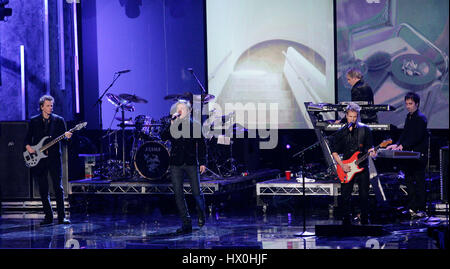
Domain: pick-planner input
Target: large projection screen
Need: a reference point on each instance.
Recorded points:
(399, 46)
(261, 52)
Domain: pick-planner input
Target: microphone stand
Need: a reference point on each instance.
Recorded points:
(99, 102)
(201, 101)
(198, 81)
(304, 233)
(301, 153)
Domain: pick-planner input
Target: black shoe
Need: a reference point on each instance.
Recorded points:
(347, 220)
(184, 230)
(365, 221)
(46, 222)
(201, 222)
(421, 214)
(64, 221)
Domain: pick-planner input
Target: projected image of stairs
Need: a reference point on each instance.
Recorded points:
(263, 88)
(258, 77)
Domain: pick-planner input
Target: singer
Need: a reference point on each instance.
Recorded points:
(187, 155)
(354, 137)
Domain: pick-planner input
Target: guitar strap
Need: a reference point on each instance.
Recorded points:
(361, 135)
(52, 125)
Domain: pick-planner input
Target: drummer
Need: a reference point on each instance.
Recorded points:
(187, 156)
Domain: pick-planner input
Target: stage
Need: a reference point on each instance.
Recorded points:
(208, 185)
(140, 214)
(240, 229)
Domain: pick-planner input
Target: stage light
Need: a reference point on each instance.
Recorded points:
(288, 146)
(4, 11)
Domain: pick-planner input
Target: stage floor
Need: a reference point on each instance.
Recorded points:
(222, 230)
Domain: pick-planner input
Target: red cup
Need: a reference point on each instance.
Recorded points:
(288, 175)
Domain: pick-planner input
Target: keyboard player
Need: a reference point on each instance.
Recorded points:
(414, 138)
(361, 91)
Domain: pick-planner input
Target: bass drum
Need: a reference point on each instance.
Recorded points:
(152, 160)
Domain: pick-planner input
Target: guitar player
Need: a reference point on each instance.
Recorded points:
(48, 124)
(353, 137)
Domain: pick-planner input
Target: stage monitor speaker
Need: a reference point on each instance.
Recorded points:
(443, 157)
(14, 175)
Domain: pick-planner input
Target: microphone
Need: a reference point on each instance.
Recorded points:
(175, 115)
(123, 71)
(350, 124)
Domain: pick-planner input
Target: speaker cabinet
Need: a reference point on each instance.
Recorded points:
(443, 157)
(14, 175)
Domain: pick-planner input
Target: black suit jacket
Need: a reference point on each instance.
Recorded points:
(347, 143)
(57, 127)
(190, 151)
(415, 133)
(361, 91)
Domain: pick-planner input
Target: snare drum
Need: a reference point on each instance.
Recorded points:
(152, 160)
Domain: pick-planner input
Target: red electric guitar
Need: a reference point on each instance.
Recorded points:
(353, 162)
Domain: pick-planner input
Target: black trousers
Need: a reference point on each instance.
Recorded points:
(415, 184)
(177, 176)
(362, 179)
(53, 168)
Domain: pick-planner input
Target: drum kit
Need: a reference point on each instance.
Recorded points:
(149, 154)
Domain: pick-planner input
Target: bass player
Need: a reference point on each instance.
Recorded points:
(48, 124)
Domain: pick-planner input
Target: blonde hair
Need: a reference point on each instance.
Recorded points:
(173, 108)
(355, 73)
(353, 107)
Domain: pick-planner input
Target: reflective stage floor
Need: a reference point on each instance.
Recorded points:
(248, 230)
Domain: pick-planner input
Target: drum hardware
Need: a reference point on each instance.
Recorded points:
(99, 103)
(220, 147)
(128, 121)
(212, 173)
(123, 105)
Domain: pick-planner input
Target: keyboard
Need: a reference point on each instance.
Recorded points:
(397, 154)
(336, 126)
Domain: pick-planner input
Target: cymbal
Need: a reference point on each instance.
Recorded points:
(205, 98)
(119, 102)
(173, 97)
(127, 120)
(132, 124)
(133, 98)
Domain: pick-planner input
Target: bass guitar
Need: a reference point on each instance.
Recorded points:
(32, 159)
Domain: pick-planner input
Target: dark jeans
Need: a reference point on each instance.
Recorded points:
(362, 179)
(177, 177)
(415, 184)
(52, 168)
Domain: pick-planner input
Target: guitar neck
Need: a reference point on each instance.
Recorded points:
(364, 157)
(54, 141)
